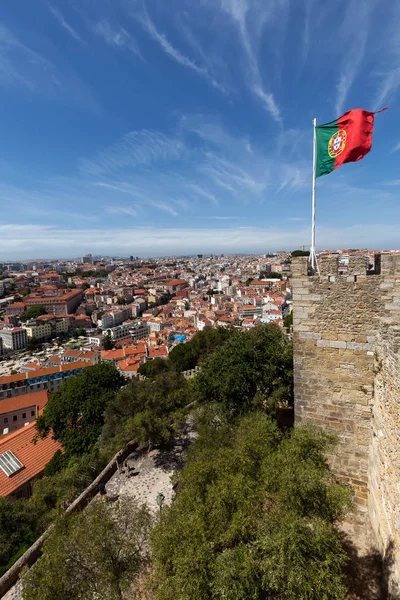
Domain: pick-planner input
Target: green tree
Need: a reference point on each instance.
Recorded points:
(251, 370)
(17, 531)
(154, 367)
(33, 345)
(108, 344)
(183, 357)
(288, 320)
(253, 518)
(300, 253)
(25, 292)
(103, 564)
(33, 312)
(122, 301)
(81, 331)
(146, 411)
(248, 281)
(75, 412)
(85, 286)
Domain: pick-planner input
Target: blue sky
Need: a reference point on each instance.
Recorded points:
(159, 127)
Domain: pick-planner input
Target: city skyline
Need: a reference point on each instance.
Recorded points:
(134, 129)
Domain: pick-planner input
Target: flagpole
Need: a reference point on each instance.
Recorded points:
(313, 257)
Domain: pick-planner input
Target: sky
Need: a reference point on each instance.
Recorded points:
(172, 127)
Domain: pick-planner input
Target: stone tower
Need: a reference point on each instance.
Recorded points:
(346, 345)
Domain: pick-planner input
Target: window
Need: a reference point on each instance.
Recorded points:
(32, 413)
(5, 419)
(24, 415)
(15, 417)
(9, 463)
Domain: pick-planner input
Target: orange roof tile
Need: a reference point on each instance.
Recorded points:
(38, 399)
(34, 457)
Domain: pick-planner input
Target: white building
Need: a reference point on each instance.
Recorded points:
(14, 338)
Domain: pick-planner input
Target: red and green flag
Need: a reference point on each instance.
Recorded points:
(346, 139)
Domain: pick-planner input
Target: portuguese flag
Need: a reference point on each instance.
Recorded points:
(346, 139)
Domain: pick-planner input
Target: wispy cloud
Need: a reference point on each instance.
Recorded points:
(163, 206)
(135, 148)
(23, 66)
(60, 18)
(354, 39)
(117, 37)
(239, 11)
(173, 52)
(23, 241)
(198, 190)
(122, 210)
(396, 148)
(394, 182)
(389, 74)
(19, 63)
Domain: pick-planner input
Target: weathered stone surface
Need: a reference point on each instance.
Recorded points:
(346, 339)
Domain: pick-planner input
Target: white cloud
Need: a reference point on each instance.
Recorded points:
(119, 37)
(122, 210)
(198, 190)
(176, 54)
(396, 148)
(240, 12)
(354, 39)
(58, 15)
(135, 148)
(24, 241)
(23, 66)
(389, 75)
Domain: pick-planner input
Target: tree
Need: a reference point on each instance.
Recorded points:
(252, 369)
(148, 411)
(248, 281)
(25, 292)
(33, 345)
(300, 253)
(33, 312)
(122, 301)
(183, 357)
(253, 518)
(288, 320)
(85, 286)
(75, 412)
(154, 367)
(108, 344)
(17, 531)
(103, 564)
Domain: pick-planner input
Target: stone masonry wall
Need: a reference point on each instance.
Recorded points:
(346, 341)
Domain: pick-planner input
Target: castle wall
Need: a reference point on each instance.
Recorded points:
(346, 341)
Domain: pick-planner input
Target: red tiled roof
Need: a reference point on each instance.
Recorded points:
(42, 372)
(34, 457)
(38, 399)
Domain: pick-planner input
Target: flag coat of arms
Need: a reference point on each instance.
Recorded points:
(347, 139)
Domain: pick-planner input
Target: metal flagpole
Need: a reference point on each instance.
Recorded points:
(313, 256)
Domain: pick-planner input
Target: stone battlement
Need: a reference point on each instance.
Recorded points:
(346, 341)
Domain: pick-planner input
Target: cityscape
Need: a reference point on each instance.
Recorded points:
(200, 300)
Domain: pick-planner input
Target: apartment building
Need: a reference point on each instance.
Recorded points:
(46, 326)
(19, 411)
(14, 338)
(59, 303)
(49, 378)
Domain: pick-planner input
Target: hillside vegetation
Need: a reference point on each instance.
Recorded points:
(255, 506)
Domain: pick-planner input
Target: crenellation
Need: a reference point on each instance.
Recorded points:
(346, 340)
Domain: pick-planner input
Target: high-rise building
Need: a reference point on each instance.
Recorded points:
(87, 259)
(14, 338)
